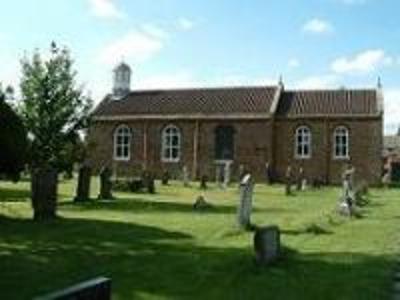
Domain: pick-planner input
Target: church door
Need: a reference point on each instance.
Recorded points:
(224, 143)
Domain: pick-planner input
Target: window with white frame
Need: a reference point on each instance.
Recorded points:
(171, 144)
(341, 143)
(303, 142)
(122, 143)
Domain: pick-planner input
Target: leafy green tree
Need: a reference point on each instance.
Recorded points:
(54, 110)
(13, 141)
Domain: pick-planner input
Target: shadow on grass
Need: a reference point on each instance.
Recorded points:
(14, 195)
(145, 205)
(150, 262)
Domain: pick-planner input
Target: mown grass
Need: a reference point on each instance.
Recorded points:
(157, 247)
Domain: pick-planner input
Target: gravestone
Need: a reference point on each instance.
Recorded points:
(245, 202)
(203, 182)
(83, 188)
(304, 184)
(219, 175)
(267, 245)
(44, 192)
(201, 204)
(165, 178)
(268, 173)
(105, 184)
(185, 176)
(386, 178)
(300, 178)
(148, 182)
(288, 181)
(347, 201)
(227, 174)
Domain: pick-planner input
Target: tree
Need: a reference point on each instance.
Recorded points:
(13, 141)
(54, 110)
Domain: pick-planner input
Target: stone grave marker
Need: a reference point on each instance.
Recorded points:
(288, 181)
(185, 176)
(165, 178)
(201, 204)
(203, 182)
(267, 245)
(268, 173)
(347, 201)
(245, 202)
(300, 179)
(83, 188)
(105, 184)
(227, 174)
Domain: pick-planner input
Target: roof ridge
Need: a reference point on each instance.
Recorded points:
(330, 90)
(213, 88)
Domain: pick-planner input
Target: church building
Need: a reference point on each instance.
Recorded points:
(321, 131)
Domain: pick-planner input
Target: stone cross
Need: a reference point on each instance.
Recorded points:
(288, 181)
(185, 176)
(245, 202)
(227, 174)
(105, 183)
(83, 188)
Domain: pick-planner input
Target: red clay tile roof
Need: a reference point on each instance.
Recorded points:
(241, 100)
(328, 102)
(191, 101)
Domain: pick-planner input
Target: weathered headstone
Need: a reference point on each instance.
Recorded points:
(203, 182)
(148, 182)
(304, 184)
(44, 192)
(347, 201)
(165, 178)
(227, 174)
(268, 173)
(300, 178)
(288, 181)
(83, 188)
(105, 184)
(201, 204)
(245, 202)
(185, 176)
(267, 245)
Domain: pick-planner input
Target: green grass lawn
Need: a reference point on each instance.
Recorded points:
(157, 247)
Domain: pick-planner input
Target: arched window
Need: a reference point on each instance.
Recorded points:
(341, 143)
(171, 144)
(303, 142)
(224, 143)
(122, 143)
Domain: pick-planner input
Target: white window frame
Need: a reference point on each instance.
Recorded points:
(167, 137)
(306, 141)
(344, 152)
(122, 132)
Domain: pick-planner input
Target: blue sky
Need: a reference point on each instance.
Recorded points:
(177, 43)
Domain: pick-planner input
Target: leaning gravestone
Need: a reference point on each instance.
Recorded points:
(245, 202)
(288, 181)
(267, 245)
(185, 176)
(105, 184)
(83, 188)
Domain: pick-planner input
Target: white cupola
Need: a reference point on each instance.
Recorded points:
(122, 81)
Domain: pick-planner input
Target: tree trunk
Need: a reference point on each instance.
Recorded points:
(44, 193)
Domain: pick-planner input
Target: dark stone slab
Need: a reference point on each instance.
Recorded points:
(267, 245)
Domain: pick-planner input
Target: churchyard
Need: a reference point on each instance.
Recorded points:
(157, 246)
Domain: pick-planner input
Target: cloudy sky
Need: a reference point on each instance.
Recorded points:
(180, 43)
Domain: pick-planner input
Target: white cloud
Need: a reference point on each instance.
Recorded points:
(392, 110)
(105, 9)
(137, 46)
(185, 24)
(364, 62)
(317, 26)
(293, 63)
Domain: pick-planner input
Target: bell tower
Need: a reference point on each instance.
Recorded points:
(122, 80)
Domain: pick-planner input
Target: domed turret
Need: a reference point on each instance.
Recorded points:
(122, 80)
